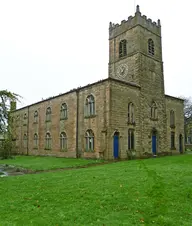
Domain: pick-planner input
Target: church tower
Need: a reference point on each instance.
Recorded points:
(135, 57)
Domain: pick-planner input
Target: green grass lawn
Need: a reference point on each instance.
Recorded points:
(45, 163)
(141, 192)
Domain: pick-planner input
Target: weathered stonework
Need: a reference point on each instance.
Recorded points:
(142, 85)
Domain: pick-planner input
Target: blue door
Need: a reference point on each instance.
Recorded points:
(116, 145)
(154, 144)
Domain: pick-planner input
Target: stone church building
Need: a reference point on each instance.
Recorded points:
(123, 115)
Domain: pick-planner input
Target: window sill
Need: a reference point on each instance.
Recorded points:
(173, 148)
(122, 57)
(89, 151)
(35, 148)
(47, 120)
(90, 116)
(47, 149)
(61, 119)
(131, 123)
(172, 126)
(154, 119)
(64, 150)
(35, 122)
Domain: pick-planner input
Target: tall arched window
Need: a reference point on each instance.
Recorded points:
(172, 118)
(131, 139)
(90, 106)
(151, 49)
(36, 117)
(48, 114)
(63, 111)
(35, 141)
(25, 140)
(63, 141)
(172, 140)
(131, 118)
(48, 141)
(89, 140)
(122, 48)
(153, 110)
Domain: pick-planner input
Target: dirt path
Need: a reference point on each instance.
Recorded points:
(16, 171)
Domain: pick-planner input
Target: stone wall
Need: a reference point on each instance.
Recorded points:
(177, 106)
(41, 127)
(98, 123)
(121, 96)
(75, 101)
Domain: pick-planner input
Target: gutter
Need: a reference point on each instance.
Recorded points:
(77, 126)
(28, 130)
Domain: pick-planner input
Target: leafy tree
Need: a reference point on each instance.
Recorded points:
(7, 100)
(187, 107)
(188, 118)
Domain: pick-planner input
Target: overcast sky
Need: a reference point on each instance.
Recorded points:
(48, 47)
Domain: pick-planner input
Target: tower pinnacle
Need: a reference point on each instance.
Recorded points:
(137, 9)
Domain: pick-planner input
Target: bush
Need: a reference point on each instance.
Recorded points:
(6, 148)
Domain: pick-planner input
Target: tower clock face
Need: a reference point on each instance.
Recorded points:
(122, 71)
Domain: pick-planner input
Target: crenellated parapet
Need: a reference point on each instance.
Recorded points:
(138, 19)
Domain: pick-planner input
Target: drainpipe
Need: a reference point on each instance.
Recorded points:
(77, 125)
(28, 131)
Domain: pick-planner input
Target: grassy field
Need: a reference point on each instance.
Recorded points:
(141, 192)
(46, 163)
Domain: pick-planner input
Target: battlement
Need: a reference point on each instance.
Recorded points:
(138, 19)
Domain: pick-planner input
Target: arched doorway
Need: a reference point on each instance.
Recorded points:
(116, 145)
(154, 141)
(180, 143)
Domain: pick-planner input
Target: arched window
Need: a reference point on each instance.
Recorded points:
(48, 114)
(172, 119)
(90, 106)
(131, 118)
(63, 111)
(35, 141)
(122, 48)
(153, 110)
(36, 117)
(25, 140)
(63, 141)
(151, 50)
(48, 141)
(89, 139)
(131, 139)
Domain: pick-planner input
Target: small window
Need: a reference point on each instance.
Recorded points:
(89, 139)
(151, 50)
(48, 141)
(172, 140)
(63, 111)
(131, 139)
(153, 110)
(90, 106)
(36, 116)
(25, 140)
(131, 119)
(35, 141)
(48, 114)
(122, 48)
(25, 116)
(172, 119)
(63, 141)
